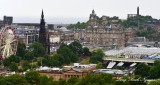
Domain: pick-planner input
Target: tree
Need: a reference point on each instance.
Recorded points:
(29, 56)
(44, 80)
(68, 55)
(73, 81)
(21, 49)
(78, 25)
(142, 69)
(14, 58)
(37, 49)
(99, 65)
(50, 61)
(6, 62)
(14, 80)
(25, 65)
(76, 47)
(60, 59)
(154, 82)
(32, 77)
(154, 72)
(97, 56)
(86, 51)
(61, 82)
(101, 79)
(13, 66)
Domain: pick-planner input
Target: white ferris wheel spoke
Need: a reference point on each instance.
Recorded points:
(7, 42)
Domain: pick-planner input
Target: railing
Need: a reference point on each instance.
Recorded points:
(128, 60)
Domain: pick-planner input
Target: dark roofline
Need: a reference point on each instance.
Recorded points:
(27, 24)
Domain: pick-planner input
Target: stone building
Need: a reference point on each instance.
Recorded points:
(7, 20)
(134, 15)
(105, 37)
(66, 35)
(102, 32)
(27, 34)
(76, 70)
(94, 20)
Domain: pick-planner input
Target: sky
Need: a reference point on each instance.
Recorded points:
(72, 11)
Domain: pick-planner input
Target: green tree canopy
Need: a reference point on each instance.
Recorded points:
(78, 25)
(86, 51)
(155, 70)
(12, 58)
(13, 66)
(76, 47)
(29, 56)
(97, 56)
(25, 65)
(68, 54)
(21, 49)
(37, 48)
(142, 69)
(32, 77)
(154, 82)
(102, 79)
(14, 80)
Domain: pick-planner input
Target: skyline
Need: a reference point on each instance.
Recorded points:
(72, 11)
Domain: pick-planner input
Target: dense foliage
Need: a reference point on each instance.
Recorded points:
(21, 49)
(37, 49)
(137, 21)
(34, 78)
(151, 72)
(149, 32)
(97, 56)
(66, 54)
(31, 78)
(78, 25)
(35, 56)
(142, 69)
(146, 26)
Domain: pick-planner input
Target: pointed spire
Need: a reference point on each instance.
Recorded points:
(42, 16)
(93, 12)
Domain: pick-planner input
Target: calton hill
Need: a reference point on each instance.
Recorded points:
(145, 26)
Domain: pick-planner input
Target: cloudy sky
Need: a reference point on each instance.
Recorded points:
(71, 11)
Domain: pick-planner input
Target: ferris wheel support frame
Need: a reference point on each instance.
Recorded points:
(8, 43)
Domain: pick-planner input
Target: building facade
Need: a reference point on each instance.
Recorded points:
(134, 15)
(77, 70)
(27, 34)
(7, 20)
(105, 37)
(103, 33)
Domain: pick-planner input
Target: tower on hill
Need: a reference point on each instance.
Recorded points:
(138, 11)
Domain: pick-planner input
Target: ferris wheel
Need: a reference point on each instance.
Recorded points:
(8, 42)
